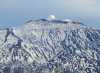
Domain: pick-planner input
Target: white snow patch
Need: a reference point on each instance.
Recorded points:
(51, 17)
(67, 20)
(78, 52)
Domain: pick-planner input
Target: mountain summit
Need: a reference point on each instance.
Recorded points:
(50, 46)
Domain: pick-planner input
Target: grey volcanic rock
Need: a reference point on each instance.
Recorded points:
(55, 46)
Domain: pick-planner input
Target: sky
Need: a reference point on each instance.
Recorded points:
(17, 12)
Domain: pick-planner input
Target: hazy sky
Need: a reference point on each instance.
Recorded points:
(17, 12)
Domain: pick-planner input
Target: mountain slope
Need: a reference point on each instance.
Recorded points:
(54, 46)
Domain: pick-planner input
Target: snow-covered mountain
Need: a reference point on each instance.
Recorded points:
(50, 46)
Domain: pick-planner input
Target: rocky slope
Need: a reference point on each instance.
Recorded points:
(50, 46)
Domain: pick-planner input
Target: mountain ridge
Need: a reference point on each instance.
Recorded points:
(43, 46)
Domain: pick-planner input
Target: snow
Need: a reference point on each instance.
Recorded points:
(67, 20)
(47, 46)
(51, 17)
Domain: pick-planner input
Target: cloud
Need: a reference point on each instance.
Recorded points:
(5, 3)
(88, 8)
(17, 11)
(84, 2)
